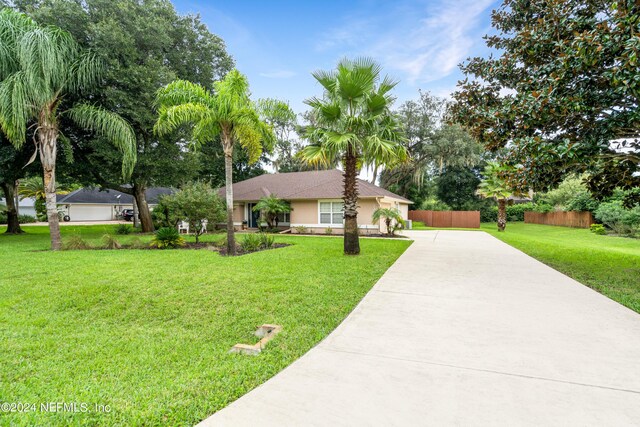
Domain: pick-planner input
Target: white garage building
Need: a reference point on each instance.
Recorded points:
(95, 204)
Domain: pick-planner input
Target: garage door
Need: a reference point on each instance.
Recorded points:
(90, 212)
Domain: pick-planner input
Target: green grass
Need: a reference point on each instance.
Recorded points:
(417, 225)
(147, 332)
(610, 265)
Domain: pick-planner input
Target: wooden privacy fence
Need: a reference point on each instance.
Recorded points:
(447, 219)
(564, 219)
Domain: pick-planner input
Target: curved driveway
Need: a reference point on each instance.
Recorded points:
(462, 330)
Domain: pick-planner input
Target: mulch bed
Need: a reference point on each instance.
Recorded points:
(397, 236)
(239, 251)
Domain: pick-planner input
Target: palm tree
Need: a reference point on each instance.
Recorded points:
(271, 206)
(353, 121)
(33, 188)
(228, 113)
(390, 215)
(38, 67)
(495, 187)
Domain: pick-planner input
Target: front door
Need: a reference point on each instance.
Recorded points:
(253, 216)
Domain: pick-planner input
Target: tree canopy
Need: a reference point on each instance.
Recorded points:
(39, 67)
(145, 45)
(561, 94)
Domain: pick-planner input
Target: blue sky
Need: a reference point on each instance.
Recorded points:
(278, 43)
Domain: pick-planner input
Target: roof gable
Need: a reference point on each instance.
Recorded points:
(325, 184)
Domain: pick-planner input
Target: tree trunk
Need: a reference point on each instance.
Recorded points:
(143, 208)
(13, 225)
(48, 139)
(375, 174)
(351, 237)
(228, 179)
(502, 214)
(136, 216)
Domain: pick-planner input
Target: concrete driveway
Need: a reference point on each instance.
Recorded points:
(462, 330)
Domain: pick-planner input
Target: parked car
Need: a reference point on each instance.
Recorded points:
(127, 214)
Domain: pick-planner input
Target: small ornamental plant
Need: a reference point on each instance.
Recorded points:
(167, 237)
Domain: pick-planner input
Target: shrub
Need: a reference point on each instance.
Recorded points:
(167, 237)
(621, 220)
(22, 219)
(542, 207)
(562, 195)
(250, 242)
(301, 229)
(514, 212)
(328, 231)
(266, 241)
(110, 242)
(163, 215)
(434, 205)
(196, 203)
(582, 202)
(598, 229)
(26, 219)
(75, 242)
(257, 241)
(489, 214)
(123, 229)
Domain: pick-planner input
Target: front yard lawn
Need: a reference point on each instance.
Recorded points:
(610, 265)
(148, 332)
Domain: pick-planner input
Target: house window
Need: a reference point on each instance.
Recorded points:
(331, 213)
(284, 218)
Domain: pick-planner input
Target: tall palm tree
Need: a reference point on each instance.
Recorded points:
(227, 113)
(495, 187)
(353, 121)
(38, 67)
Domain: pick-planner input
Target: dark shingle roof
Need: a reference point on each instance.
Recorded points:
(110, 197)
(303, 185)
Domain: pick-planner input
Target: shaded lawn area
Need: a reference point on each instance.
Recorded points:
(610, 265)
(147, 332)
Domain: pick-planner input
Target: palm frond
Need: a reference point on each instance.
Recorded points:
(85, 71)
(326, 78)
(172, 117)
(14, 107)
(205, 130)
(111, 126)
(249, 138)
(317, 155)
(183, 92)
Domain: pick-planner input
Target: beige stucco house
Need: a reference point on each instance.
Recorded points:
(316, 201)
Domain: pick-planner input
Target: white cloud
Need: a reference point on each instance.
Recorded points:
(424, 42)
(355, 32)
(280, 74)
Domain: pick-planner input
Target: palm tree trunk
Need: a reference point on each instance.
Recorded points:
(13, 224)
(143, 208)
(502, 214)
(351, 238)
(48, 139)
(228, 180)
